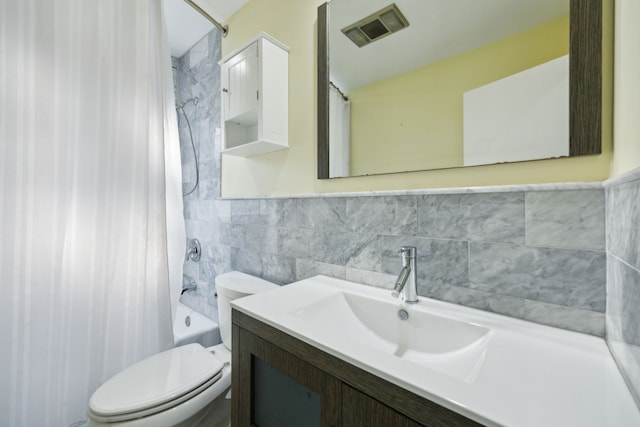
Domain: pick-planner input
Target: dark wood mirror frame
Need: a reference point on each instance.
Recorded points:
(585, 81)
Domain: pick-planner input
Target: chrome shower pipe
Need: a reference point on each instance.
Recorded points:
(224, 29)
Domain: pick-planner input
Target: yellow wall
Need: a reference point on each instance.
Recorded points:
(414, 121)
(293, 171)
(627, 88)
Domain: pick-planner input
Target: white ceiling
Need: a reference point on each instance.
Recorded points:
(431, 35)
(186, 27)
(437, 29)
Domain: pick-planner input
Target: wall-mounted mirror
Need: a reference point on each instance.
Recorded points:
(407, 85)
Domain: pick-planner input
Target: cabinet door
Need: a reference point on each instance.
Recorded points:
(277, 389)
(360, 410)
(240, 83)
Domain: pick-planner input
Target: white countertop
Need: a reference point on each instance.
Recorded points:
(528, 375)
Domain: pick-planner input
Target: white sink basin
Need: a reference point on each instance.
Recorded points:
(378, 323)
(450, 346)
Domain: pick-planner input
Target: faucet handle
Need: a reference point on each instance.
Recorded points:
(407, 252)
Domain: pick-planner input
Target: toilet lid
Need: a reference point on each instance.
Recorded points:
(156, 381)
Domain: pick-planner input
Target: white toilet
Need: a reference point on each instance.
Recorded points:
(184, 386)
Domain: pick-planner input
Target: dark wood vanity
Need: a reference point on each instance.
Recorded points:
(279, 380)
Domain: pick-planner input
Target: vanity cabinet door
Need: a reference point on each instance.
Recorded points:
(280, 390)
(360, 410)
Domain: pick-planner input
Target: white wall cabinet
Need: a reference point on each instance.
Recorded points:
(255, 98)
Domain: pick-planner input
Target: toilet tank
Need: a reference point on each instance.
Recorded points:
(230, 286)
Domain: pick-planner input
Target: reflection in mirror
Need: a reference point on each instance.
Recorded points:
(467, 82)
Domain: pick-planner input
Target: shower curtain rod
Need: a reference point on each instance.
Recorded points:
(345, 97)
(223, 28)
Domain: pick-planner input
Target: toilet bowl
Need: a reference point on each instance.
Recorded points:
(183, 386)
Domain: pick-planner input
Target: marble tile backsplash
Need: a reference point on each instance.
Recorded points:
(623, 275)
(473, 217)
(535, 255)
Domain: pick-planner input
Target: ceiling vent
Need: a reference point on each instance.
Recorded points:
(376, 26)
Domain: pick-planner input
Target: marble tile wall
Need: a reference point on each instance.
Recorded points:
(536, 255)
(623, 275)
(197, 74)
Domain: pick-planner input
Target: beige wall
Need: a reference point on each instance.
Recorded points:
(627, 88)
(293, 171)
(420, 113)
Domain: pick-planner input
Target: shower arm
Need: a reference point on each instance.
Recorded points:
(195, 101)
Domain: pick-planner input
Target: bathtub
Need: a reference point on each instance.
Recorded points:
(191, 327)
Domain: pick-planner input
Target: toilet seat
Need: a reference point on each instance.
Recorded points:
(156, 384)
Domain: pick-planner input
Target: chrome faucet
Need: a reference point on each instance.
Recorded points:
(193, 251)
(407, 278)
(188, 284)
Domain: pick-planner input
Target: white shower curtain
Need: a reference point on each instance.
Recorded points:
(84, 273)
(176, 233)
(339, 134)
